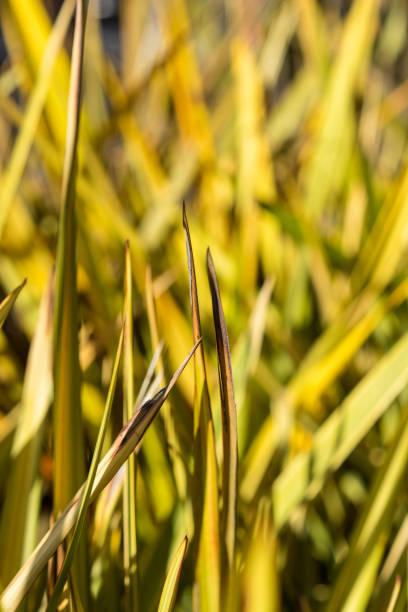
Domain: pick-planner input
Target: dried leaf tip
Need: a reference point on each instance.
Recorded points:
(184, 216)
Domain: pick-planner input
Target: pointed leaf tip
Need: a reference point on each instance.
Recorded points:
(7, 304)
(169, 592)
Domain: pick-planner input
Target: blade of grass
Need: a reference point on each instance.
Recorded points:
(180, 476)
(151, 315)
(69, 460)
(87, 488)
(123, 445)
(229, 419)
(394, 595)
(7, 304)
(205, 481)
(17, 512)
(199, 360)
(129, 490)
(169, 593)
(208, 557)
(260, 576)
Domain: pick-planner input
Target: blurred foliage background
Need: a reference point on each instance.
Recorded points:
(283, 126)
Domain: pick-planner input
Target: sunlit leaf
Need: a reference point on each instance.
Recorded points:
(18, 507)
(69, 457)
(229, 419)
(87, 488)
(169, 592)
(205, 483)
(129, 490)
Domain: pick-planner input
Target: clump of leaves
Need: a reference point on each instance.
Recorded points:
(272, 477)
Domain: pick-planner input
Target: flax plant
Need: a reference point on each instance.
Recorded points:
(230, 177)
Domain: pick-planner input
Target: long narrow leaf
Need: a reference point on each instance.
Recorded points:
(229, 418)
(195, 310)
(208, 558)
(129, 490)
(205, 482)
(68, 444)
(87, 489)
(17, 510)
(260, 576)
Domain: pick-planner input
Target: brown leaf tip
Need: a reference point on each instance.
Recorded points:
(185, 223)
(210, 262)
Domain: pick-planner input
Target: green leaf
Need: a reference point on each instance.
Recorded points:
(205, 482)
(87, 488)
(129, 490)
(169, 592)
(229, 419)
(69, 460)
(260, 575)
(18, 508)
